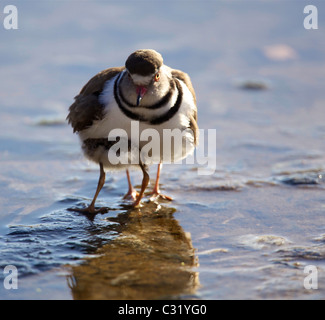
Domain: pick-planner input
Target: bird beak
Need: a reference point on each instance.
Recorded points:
(141, 91)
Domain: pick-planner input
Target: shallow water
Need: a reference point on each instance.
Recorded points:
(246, 231)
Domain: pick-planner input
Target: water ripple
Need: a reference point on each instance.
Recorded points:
(59, 238)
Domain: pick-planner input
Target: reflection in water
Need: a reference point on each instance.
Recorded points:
(152, 258)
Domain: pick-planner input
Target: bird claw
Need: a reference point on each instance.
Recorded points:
(131, 195)
(157, 195)
(137, 204)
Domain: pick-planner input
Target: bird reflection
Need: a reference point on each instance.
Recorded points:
(151, 258)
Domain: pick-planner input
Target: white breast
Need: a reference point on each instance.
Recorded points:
(116, 119)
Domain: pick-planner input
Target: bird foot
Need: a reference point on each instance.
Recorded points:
(131, 195)
(136, 203)
(156, 195)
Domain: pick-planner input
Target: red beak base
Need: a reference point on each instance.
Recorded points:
(141, 91)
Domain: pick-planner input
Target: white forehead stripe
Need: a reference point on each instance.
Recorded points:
(142, 80)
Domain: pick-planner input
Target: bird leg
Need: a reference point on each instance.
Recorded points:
(91, 208)
(156, 191)
(144, 185)
(132, 194)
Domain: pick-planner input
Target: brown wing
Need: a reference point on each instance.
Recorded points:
(186, 79)
(87, 107)
(193, 118)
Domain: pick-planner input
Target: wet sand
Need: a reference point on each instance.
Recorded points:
(247, 231)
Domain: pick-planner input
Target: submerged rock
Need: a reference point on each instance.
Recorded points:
(306, 178)
(253, 85)
(262, 241)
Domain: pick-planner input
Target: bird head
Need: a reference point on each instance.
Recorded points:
(144, 72)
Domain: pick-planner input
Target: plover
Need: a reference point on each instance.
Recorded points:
(144, 94)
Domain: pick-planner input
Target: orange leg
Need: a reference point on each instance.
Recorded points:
(132, 194)
(144, 185)
(91, 208)
(156, 191)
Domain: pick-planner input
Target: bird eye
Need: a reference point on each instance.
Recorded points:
(157, 77)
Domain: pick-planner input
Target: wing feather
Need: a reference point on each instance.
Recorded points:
(86, 107)
(193, 117)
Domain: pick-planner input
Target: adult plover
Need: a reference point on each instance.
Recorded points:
(144, 99)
